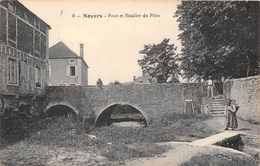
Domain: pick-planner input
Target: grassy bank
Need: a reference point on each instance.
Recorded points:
(220, 160)
(46, 135)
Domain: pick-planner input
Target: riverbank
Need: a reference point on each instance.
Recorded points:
(185, 154)
(66, 140)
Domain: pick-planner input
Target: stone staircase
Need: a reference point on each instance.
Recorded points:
(214, 106)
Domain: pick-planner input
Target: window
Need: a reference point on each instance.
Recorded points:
(11, 7)
(61, 84)
(38, 78)
(72, 71)
(3, 49)
(12, 30)
(72, 61)
(72, 84)
(12, 71)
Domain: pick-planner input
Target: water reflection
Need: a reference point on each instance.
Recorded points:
(121, 115)
(129, 124)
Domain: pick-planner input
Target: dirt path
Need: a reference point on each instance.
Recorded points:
(217, 123)
(182, 152)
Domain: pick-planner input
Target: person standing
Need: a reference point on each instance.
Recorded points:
(209, 84)
(99, 83)
(234, 123)
(230, 111)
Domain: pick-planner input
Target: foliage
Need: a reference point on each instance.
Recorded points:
(120, 151)
(54, 134)
(160, 60)
(160, 130)
(219, 38)
(115, 83)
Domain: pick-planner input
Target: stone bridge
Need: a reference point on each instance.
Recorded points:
(152, 100)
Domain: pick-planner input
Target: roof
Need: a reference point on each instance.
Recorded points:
(61, 51)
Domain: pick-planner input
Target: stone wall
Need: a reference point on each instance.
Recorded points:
(26, 76)
(150, 99)
(245, 91)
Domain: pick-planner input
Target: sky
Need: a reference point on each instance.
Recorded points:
(111, 43)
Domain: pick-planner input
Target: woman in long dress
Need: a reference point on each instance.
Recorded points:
(234, 118)
(231, 119)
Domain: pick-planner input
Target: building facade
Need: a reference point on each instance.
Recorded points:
(67, 68)
(23, 56)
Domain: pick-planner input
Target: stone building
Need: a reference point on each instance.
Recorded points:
(67, 68)
(23, 56)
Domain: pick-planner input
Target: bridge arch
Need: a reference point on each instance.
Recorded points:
(51, 105)
(105, 113)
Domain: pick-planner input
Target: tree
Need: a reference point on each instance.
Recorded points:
(115, 83)
(160, 61)
(219, 38)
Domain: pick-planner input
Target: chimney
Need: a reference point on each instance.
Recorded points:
(81, 50)
(134, 78)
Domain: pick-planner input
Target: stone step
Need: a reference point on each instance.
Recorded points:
(216, 113)
(213, 98)
(216, 101)
(216, 108)
(218, 104)
(223, 103)
(212, 101)
(215, 105)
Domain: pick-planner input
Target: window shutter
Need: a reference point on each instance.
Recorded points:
(68, 70)
(76, 70)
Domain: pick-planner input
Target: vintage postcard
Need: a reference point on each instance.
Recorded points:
(129, 82)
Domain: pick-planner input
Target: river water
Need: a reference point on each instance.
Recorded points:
(128, 124)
